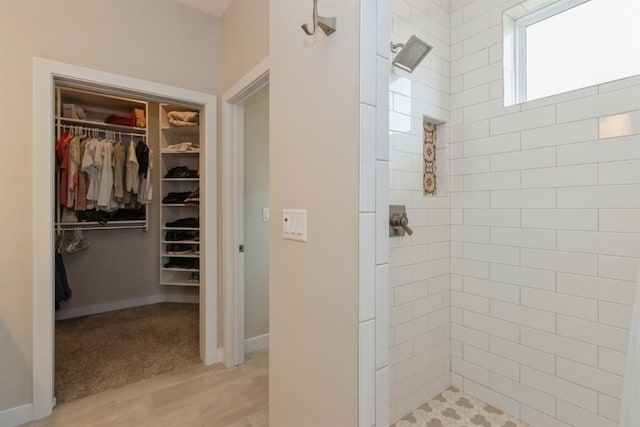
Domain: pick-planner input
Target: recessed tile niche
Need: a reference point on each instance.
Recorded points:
(432, 153)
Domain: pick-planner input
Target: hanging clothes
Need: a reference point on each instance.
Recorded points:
(132, 177)
(90, 167)
(62, 154)
(105, 187)
(146, 189)
(142, 154)
(81, 192)
(119, 160)
(75, 164)
(62, 289)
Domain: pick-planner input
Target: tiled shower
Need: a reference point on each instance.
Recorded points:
(516, 285)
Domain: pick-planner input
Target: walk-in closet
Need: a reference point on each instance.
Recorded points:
(127, 222)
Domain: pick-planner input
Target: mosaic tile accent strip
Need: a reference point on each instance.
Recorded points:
(430, 184)
(453, 408)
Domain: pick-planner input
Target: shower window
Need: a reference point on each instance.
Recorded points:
(568, 45)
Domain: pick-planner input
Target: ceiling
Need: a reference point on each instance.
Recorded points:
(212, 7)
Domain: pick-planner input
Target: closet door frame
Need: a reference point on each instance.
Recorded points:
(232, 176)
(45, 74)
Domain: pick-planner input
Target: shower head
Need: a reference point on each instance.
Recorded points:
(411, 53)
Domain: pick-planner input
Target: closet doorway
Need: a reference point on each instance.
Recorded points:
(49, 77)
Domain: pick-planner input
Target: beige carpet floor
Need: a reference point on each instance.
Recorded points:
(108, 350)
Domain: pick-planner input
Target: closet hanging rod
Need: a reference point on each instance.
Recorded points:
(98, 130)
(74, 226)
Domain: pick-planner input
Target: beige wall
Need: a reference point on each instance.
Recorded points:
(131, 38)
(245, 34)
(256, 231)
(314, 165)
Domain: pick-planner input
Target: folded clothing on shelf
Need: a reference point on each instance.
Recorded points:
(121, 120)
(182, 249)
(183, 147)
(183, 118)
(181, 172)
(182, 236)
(173, 198)
(185, 223)
(73, 111)
(186, 263)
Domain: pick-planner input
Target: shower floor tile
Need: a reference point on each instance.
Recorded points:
(453, 408)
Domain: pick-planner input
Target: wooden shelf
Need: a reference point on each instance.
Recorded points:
(107, 126)
(172, 283)
(94, 225)
(183, 131)
(181, 228)
(171, 136)
(173, 153)
(191, 255)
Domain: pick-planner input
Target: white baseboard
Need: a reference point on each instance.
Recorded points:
(256, 343)
(123, 304)
(16, 416)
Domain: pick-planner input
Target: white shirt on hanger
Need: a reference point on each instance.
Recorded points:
(132, 178)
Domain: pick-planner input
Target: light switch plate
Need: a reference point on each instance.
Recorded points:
(266, 214)
(294, 224)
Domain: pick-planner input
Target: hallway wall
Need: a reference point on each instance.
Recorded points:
(314, 163)
(545, 236)
(419, 274)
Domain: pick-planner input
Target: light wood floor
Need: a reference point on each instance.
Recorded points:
(197, 396)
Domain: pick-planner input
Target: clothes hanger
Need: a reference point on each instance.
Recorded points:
(60, 240)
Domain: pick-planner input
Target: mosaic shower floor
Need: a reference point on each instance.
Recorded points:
(453, 408)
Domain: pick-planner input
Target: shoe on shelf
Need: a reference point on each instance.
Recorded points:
(193, 197)
(194, 277)
(181, 172)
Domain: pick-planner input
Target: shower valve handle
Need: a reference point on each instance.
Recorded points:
(398, 220)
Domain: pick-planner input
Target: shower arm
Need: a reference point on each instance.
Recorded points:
(328, 25)
(396, 46)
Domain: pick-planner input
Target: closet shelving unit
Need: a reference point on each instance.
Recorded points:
(170, 212)
(98, 106)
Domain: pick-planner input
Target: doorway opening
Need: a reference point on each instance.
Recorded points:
(245, 215)
(256, 217)
(51, 120)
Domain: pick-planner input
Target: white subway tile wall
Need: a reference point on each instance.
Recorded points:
(545, 238)
(419, 285)
(374, 215)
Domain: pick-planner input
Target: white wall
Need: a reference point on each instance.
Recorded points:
(545, 245)
(140, 44)
(256, 231)
(419, 275)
